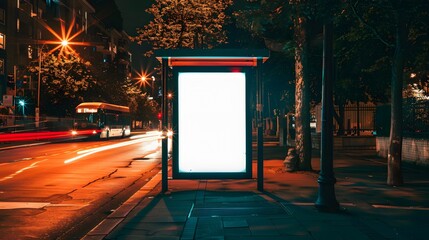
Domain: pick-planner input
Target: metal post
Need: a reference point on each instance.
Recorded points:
(164, 75)
(15, 81)
(153, 87)
(259, 119)
(37, 117)
(15, 69)
(326, 200)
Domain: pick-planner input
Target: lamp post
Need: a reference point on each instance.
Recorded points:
(37, 111)
(153, 86)
(326, 200)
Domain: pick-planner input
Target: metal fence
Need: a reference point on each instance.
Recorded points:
(415, 119)
(359, 119)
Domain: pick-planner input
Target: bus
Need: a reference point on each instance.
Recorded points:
(102, 120)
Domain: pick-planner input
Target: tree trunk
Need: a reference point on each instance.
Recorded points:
(302, 101)
(394, 158)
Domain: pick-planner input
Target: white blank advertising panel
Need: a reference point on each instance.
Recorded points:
(212, 122)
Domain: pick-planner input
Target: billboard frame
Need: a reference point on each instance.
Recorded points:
(233, 58)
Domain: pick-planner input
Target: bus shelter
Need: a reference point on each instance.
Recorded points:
(214, 95)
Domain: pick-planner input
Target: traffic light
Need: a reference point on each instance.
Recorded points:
(159, 116)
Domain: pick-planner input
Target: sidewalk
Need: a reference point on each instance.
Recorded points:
(234, 209)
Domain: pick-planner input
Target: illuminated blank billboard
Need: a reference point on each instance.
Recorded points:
(211, 123)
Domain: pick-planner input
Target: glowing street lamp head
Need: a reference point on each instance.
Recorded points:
(63, 40)
(64, 43)
(143, 78)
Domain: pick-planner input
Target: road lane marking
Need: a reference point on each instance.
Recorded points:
(33, 165)
(18, 205)
(37, 205)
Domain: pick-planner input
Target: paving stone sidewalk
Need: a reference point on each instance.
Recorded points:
(234, 209)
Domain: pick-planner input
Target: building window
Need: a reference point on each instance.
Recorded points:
(2, 41)
(30, 52)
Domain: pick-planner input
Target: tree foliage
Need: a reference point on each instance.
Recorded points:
(366, 41)
(399, 30)
(287, 27)
(184, 24)
(65, 82)
(114, 87)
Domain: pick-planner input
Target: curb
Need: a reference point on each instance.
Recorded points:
(105, 227)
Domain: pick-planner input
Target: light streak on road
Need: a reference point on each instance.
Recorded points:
(33, 165)
(148, 134)
(88, 152)
(153, 146)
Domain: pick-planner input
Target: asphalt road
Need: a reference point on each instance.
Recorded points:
(63, 190)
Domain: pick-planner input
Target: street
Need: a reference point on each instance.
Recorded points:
(62, 190)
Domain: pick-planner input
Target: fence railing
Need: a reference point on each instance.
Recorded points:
(415, 119)
(358, 119)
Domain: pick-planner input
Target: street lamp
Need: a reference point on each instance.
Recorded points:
(153, 86)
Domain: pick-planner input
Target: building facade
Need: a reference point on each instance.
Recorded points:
(28, 27)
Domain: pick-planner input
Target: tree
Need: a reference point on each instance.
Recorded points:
(184, 24)
(65, 81)
(284, 26)
(142, 108)
(114, 87)
(360, 70)
(394, 158)
(302, 88)
(403, 30)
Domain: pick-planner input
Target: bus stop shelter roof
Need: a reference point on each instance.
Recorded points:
(212, 57)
